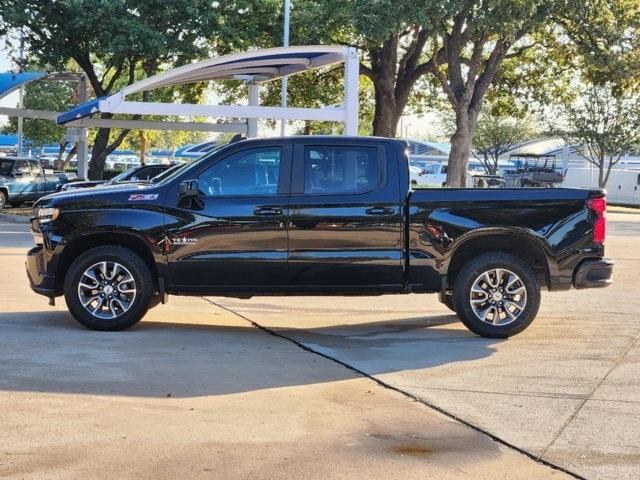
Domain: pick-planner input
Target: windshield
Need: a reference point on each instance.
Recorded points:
(5, 167)
(123, 176)
(166, 173)
(432, 169)
(189, 166)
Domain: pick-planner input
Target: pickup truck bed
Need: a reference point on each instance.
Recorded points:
(321, 216)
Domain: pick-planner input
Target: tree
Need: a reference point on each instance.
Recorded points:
(604, 125)
(391, 35)
(476, 37)
(604, 39)
(114, 42)
(496, 134)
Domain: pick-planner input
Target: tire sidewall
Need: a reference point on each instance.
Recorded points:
(129, 260)
(470, 273)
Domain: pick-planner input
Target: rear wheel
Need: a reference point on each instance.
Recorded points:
(496, 295)
(108, 288)
(3, 199)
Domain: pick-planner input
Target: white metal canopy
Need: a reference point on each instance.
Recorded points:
(254, 67)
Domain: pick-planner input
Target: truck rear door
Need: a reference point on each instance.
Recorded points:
(345, 225)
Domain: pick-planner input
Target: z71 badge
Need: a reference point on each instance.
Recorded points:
(138, 197)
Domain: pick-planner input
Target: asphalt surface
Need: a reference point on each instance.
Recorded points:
(198, 391)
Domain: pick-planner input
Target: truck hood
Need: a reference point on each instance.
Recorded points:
(103, 197)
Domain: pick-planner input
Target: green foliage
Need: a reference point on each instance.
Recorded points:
(603, 124)
(496, 134)
(603, 39)
(114, 42)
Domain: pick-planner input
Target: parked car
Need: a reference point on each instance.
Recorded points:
(24, 180)
(315, 216)
(136, 174)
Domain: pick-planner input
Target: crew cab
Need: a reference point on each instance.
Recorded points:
(315, 216)
(24, 180)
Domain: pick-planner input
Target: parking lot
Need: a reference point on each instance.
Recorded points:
(296, 387)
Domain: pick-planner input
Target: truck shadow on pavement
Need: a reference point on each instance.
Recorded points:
(49, 352)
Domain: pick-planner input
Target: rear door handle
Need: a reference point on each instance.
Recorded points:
(380, 211)
(267, 211)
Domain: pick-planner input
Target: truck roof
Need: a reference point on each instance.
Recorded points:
(323, 138)
(13, 159)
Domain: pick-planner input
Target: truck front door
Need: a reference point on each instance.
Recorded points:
(39, 181)
(22, 185)
(234, 234)
(345, 228)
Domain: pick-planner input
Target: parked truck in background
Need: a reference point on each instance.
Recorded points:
(315, 216)
(24, 180)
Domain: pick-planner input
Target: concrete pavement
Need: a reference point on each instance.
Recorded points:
(567, 390)
(195, 391)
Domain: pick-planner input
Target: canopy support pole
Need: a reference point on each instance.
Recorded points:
(351, 78)
(254, 101)
(82, 147)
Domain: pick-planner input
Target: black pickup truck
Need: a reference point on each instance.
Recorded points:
(314, 216)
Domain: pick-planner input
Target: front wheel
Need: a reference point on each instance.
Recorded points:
(496, 295)
(447, 300)
(108, 288)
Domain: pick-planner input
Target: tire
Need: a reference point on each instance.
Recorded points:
(519, 297)
(3, 199)
(447, 301)
(131, 299)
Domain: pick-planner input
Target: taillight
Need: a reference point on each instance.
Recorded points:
(599, 207)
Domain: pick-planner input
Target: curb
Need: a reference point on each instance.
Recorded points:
(13, 218)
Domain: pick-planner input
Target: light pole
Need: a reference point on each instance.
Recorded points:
(20, 95)
(285, 42)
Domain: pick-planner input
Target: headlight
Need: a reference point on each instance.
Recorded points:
(47, 213)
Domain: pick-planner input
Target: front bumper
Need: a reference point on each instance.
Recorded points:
(40, 281)
(593, 273)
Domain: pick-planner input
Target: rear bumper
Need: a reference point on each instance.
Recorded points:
(39, 280)
(594, 273)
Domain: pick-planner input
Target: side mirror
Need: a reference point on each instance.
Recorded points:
(188, 189)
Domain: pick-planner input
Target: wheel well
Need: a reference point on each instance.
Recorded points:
(85, 243)
(526, 249)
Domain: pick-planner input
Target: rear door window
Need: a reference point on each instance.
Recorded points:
(341, 170)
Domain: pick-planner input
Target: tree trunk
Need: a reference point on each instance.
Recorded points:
(602, 181)
(460, 149)
(385, 120)
(143, 147)
(99, 154)
(57, 165)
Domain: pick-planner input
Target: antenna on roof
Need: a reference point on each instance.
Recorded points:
(237, 138)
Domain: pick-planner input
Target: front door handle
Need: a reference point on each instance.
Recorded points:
(267, 211)
(380, 211)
